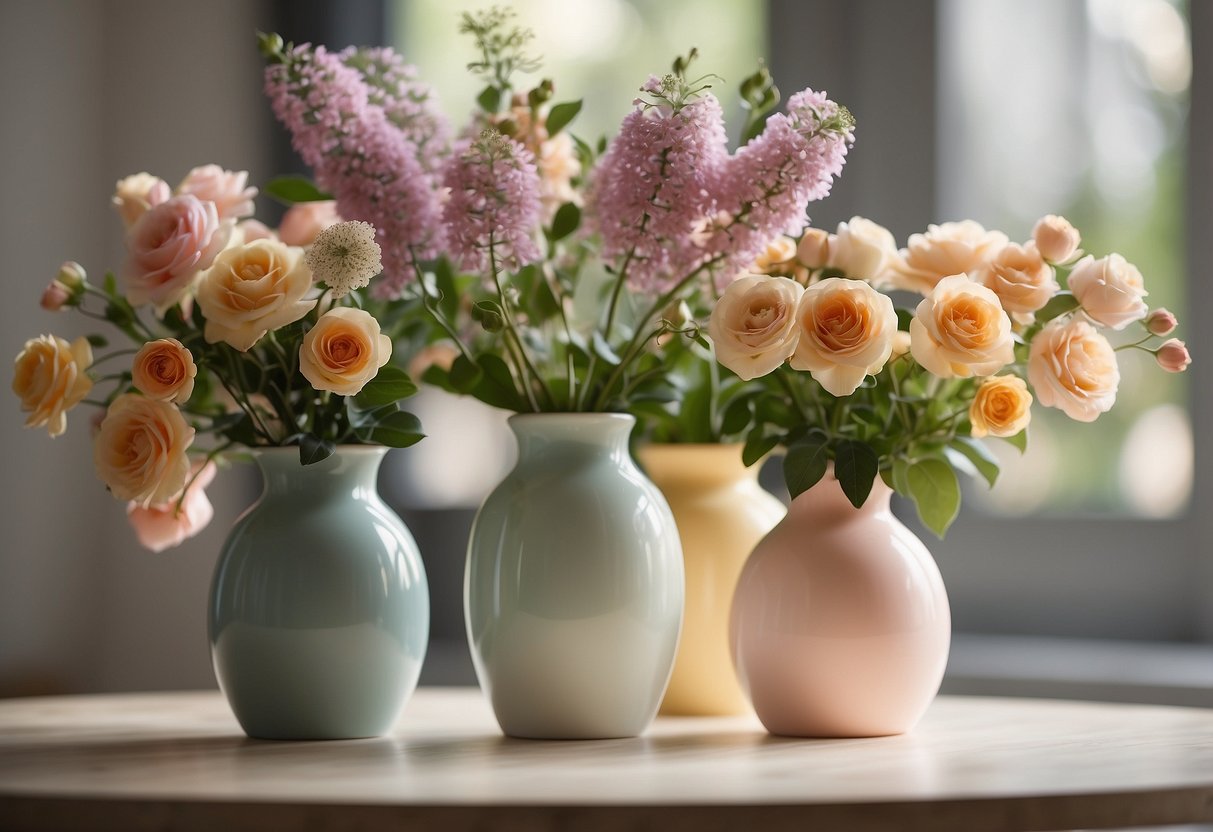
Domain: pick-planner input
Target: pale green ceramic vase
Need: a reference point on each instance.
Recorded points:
(574, 584)
(319, 612)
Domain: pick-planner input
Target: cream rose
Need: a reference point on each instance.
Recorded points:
(813, 250)
(140, 452)
(50, 378)
(1056, 239)
(252, 289)
(1110, 290)
(1020, 277)
(778, 258)
(1073, 368)
(863, 250)
(1002, 407)
(135, 194)
(847, 330)
(165, 370)
(960, 330)
(164, 525)
(947, 249)
(226, 188)
(304, 220)
(343, 351)
(168, 247)
(753, 327)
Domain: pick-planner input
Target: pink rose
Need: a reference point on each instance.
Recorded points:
(1161, 322)
(1173, 356)
(163, 526)
(255, 230)
(168, 247)
(304, 220)
(225, 188)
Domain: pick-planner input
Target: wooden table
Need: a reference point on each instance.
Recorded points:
(179, 761)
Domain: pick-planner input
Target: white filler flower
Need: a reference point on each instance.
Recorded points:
(345, 257)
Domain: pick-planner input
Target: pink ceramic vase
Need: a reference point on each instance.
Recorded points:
(840, 623)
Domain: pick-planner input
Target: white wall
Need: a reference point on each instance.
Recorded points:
(91, 90)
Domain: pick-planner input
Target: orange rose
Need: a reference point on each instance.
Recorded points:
(140, 450)
(164, 370)
(1002, 407)
(951, 248)
(1021, 278)
(846, 333)
(50, 379)
(343, 351)
(961, 330)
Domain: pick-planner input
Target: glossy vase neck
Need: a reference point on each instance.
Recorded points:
(701, 467)
(572, 435)
(352, 469)
(826, 501)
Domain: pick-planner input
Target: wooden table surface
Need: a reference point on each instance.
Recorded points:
(179, 761)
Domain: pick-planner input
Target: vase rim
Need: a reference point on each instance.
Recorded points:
(569, 418)
(352, 449)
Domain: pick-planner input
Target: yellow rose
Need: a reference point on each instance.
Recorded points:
(1021, 278)
(343, 351)
(1073, 368)
(753, 326)
(140, 450)
(252, 289)
(960, 330)
(50, 379)
(951, 248)
(164, 370)
(846, 333)
(863, 250)
(1110, 290)
(1002, 407)
(1056, 239)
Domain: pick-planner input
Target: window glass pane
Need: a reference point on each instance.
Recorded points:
(1080, 108)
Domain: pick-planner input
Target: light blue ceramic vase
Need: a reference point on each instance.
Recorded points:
(319, 613)
(574, 584)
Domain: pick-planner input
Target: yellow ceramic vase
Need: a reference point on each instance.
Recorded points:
(722, 512)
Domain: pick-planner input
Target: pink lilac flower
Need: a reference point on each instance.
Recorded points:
(494, 202)
(767, 185)
(655, 185)
(362, 158)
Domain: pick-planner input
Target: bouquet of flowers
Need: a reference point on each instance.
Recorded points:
(550, 266)
(847, 376)
(249, 336)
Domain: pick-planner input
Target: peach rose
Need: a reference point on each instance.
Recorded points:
(50, 379)
(1172, 355)
(778, 258)
(304, 220)
(225, 188)
(947, 249)
(252, 289)
(343, 351)
(558, 166)
(1073, 368)
(846, 333)
(250, 230)
(165, 525)
(168, 247)
(813, 250)
(140, 452)
(164, 370)
(862, 249)
(1002, 407)
(1020, 277)
(960, 329)
(135, 194)
(1056, 239)
(1110, 290)
(753, 326)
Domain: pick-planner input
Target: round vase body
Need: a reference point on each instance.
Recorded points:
(319, 612)
(574, 587)
(722, 512)
(840, 624)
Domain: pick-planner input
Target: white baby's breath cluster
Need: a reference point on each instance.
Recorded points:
(345, 257)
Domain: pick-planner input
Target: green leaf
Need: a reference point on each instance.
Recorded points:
(110, 285)
(603, 350)
(757, 446)
(856, 466)
(444, 283)
(390, 384)
(98, 341)
(465, 374)
(489, 99)
(737, 416)
(568, 217)
(312, 449)
(805, 464)
(977, 453)
(1061, 303)
(561, 115)
(1019, 440)
(900, 483)
(935, 491)
(438, 377)
(397, 430)
(497, 386)
(292, 189)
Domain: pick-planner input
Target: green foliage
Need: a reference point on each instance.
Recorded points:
(292, 189)
(932, 485)
(561, 115)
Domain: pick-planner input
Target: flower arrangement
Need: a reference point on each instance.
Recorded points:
(551, 267)
(251, 337)
(846, 376)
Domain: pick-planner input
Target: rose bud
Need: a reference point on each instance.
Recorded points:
(71, 275)
(1056, 239)
(55, 296)
(814, 247)
(1173, 356)
(1161, 322)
